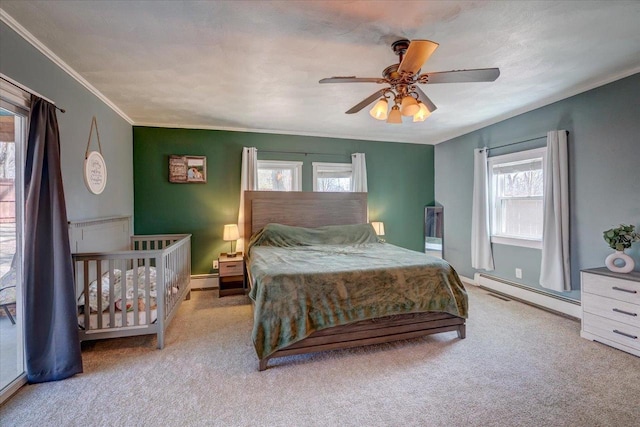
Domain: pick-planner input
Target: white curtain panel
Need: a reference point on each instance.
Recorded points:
(359, 169)
(248, 182)
(481, 255)
(555, 272)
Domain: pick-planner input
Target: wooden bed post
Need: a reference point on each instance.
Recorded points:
(462, 331)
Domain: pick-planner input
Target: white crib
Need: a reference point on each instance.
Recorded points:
(129, 292)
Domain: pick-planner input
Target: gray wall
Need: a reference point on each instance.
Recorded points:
(25, 64)
(604, 150)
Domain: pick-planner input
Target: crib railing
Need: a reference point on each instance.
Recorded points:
(170, 255)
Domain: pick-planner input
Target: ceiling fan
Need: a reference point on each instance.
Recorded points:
(403, 79)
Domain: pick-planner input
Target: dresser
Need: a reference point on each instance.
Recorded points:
(611, 308)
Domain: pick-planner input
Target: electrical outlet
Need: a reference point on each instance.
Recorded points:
(215, 264)
(518, 273)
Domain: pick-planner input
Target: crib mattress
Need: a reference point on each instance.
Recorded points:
(106, 320)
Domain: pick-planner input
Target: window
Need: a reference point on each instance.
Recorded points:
(277, 175)
(517, 185)
(332, 176)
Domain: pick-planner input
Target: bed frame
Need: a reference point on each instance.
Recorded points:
(305, 209)
(169, 254)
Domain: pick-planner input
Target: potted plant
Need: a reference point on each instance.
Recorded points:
(619, 239)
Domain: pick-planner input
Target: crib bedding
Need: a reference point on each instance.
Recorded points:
(301, 285)
(140, 277)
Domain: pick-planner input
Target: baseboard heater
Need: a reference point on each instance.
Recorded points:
(536, 297)
(204, 281)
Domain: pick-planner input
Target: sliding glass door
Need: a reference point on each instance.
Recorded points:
(13, 124)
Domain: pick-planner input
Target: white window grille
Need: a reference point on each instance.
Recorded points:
(517, 185)
(278, 175)
(332, 176)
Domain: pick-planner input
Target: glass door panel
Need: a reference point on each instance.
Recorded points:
(12, 134)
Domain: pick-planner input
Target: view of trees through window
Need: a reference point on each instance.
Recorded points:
(274, 179)
(333, 184)
(518, 190)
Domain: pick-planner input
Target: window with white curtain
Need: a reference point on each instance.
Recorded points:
(279, 175)
(332, 176)
(517, 186)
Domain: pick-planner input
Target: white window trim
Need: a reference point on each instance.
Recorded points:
(296, 168)
(514, 157)
(329, 167)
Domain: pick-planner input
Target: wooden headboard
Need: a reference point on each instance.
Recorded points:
(302, 209)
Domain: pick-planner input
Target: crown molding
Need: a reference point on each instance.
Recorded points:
(270, 131)
(31, 39)
(566, 94)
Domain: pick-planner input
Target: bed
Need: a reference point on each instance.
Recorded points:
(317, 288)
(132, 290)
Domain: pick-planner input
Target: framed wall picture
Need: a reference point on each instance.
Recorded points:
(188, 169)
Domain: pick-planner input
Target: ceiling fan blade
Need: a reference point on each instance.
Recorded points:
(417, 54)
(425, 100)
(462, 76)
(353, 79)
(365, 102)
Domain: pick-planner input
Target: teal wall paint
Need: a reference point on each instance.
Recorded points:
(604, 163)
(24, 63)
(400, 180)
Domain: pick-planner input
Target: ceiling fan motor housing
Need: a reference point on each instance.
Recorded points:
(400, 47)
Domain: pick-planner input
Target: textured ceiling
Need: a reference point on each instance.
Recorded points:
(255, 65)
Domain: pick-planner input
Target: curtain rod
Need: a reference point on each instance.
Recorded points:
(32, 92)
(519, 142)
(300, 152)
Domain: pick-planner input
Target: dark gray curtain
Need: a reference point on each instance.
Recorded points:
(52, 347)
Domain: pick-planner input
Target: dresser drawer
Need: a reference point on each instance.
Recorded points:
(610, 287)
(610, 329)
(612, 309)
(231, 268)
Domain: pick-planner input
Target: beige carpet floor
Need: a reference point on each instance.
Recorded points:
(518, 366)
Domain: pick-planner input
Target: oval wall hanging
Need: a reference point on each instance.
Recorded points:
(95, 168)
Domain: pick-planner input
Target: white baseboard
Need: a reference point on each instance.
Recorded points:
(204, 281)
(551, 302)
(468, 280)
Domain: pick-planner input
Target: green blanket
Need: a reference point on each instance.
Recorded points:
(301, 288)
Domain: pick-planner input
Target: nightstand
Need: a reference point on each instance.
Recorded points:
(231, 275)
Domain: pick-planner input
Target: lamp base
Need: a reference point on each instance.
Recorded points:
(231, 254)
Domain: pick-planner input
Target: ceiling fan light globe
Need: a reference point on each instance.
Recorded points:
(379, 110)
(409, 106)
(422, 113)
(395, 117)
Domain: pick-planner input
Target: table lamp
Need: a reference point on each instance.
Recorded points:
(231, 234)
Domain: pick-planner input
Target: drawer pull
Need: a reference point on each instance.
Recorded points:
(615, 288)
(617, 310)
(625, 334)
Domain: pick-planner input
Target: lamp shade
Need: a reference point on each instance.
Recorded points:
(379, 227)
(422, 113)
(230, 232)
(409, 106)
(394, 116)
(379, 111)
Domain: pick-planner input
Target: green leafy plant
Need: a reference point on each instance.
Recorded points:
(621, 238)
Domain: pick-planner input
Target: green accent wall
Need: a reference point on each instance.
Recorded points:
(400, 180)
